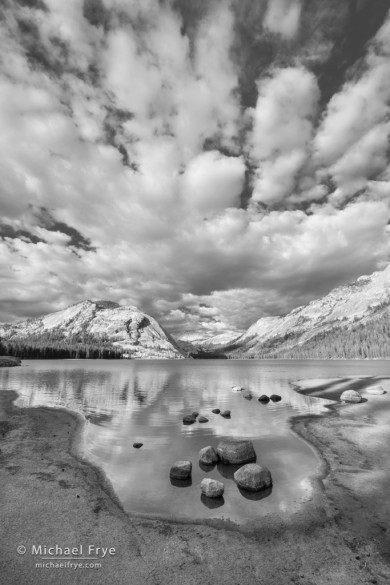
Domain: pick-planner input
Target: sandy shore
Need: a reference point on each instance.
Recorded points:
(49, 496)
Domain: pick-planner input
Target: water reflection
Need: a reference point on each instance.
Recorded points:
(212, 503)
(145, 402)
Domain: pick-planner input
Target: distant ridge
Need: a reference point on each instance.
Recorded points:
(89, 329)
(351, 322)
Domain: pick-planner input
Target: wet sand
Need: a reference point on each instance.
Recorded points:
(50, 496)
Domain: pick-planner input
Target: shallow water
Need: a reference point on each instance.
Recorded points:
(128, 401)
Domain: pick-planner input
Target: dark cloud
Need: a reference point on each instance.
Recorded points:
(77, 240)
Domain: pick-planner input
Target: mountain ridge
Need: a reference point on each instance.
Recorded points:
(90, 329)
(342, 311)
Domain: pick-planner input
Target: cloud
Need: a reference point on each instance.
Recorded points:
(283, 129)
(283, 17)
(126, 151)
(213, 182)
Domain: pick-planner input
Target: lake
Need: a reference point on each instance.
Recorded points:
(127, 401)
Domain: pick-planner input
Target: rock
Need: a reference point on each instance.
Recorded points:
(208, 456)
(226, 413)
(188, 419)
(212, 488)
(247, 395)
(264, 399)
(181, 470)
(9, 361)
(137, 445)
(275, 398)
(253, 478)
(237, 389)
(203, 419)
(236, 452)
(375, 391)
(216, 410)
(195, 414)
(350, 396)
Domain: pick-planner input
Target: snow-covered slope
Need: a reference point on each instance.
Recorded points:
(357, 303)
(134, 333)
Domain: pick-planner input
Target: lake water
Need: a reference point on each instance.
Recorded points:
(129, 401)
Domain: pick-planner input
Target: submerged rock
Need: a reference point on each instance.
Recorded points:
(264, 399)
(247, 395)
(351, 396)
(208, 456)
(275, 398)
(375, 391)
(188, 419)
(203, 419)
(137, 445)
(181, 470)
(253, 478)
(226, 413)
(212, 488)
(216, 410)
(236, 452)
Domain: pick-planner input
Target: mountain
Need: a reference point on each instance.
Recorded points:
(89, 329)
(352, 321)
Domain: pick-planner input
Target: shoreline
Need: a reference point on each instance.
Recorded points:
(162, 551)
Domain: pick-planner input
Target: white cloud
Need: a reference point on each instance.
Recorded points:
(283, 129)
(283, 17)
(213, 182)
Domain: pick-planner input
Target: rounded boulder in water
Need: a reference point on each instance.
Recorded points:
(275, 398)
(253, 478)
(351, 396)
(226, 414)
(181, 470)
(212, 488)
(188, 419)
(264, 399)
(236, 452)
(208, 456)
(375, 391)
(203, 419)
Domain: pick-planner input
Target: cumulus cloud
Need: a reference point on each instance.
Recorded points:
(213, 182)
(283, 129)
(283, 17)
(126, 151)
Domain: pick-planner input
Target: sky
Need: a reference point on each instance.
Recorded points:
(211, 162)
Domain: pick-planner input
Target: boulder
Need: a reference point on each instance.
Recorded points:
(137, 445)
(275, 398)
(237, 388)
(264, 399)
(181, 470)
(236, 452)
(247, 395)
(203, 419)
(253, 478)
(208, 456)
(375, 391)
(216, 410)
(212, 488)
(226, 413)
(188, 419)
(195, 414)
(350, 396)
